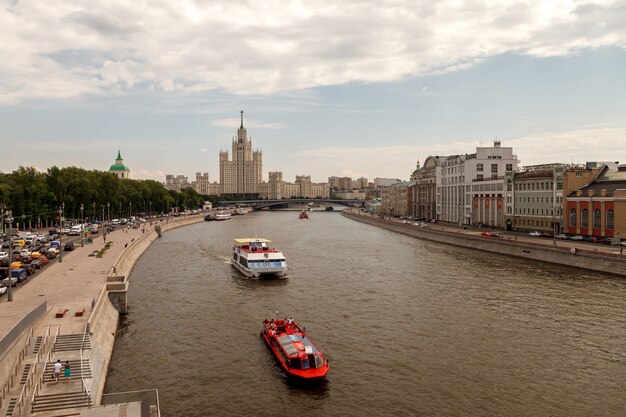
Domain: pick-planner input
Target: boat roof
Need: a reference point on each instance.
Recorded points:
(252, 239)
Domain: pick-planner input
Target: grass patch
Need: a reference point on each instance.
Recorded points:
(101, 252)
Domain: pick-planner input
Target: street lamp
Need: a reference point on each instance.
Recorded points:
(102, 221)
(9, 219)
(108, 212)
(130, 210)
(82, 207)
(61, 231)
(93, 205)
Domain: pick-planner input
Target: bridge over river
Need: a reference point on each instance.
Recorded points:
(261, 204)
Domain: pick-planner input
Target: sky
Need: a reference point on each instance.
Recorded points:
(349, 88)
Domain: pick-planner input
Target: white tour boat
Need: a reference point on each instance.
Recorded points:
(221, 215)
(255, 259)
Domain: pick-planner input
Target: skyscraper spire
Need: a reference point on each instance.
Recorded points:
(241, 127)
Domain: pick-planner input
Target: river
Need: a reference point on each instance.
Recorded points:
(412, 328)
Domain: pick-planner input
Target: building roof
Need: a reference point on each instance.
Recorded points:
(119, 167)
(535, 173)
(597, 187)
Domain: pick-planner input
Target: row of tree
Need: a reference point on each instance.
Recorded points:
(35, 197)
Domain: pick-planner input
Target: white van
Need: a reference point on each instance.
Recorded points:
(76, 230)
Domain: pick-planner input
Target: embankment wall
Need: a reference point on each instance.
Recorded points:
(104, 320)
(586, 259)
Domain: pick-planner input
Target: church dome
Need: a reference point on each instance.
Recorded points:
(119, 167)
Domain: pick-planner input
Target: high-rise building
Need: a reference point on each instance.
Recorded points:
(176, 182)
(244, 173)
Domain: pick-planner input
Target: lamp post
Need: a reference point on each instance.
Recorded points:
(130, 210)
(60, 232)
(102, 220)
(108, 212)
(93, 204)
(82, 207)
(9, 219)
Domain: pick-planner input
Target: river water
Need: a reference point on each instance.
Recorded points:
(411, 328)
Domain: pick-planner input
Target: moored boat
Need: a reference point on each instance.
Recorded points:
(240, 211)
(221, 215)
(294, 351)
(255, 259)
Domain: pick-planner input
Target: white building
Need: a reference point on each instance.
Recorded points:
(472, 188)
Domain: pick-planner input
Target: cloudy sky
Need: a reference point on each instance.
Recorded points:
(343, 88)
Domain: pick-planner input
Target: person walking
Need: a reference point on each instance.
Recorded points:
(57, 370)
(68, 372)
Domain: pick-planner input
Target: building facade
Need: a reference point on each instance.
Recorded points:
(598, 208)
(244, 173)
(424, 193)
(176, 182)
(537, 199)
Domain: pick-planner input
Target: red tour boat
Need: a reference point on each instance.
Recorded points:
(295, 352)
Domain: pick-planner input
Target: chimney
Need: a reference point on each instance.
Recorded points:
(579, 193)
(603, 192)
(590, 193)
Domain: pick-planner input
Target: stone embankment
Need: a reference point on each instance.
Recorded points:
(570, 254)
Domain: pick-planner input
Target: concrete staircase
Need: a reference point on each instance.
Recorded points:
(67, 342)
(65, 394)
(77, 372)
(60, 401)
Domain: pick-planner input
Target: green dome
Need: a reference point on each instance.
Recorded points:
(119, 167)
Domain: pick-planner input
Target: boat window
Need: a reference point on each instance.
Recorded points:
(244, 262)
(294, 363)
(234, 256)
(319, 361)
(305, 363)
(312, 361)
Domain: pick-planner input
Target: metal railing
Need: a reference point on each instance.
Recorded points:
(9, 384)
(84, 388)
(41, 373)
(30, 378)
(151, 396)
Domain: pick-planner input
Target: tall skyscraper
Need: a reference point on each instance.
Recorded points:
(244, 173)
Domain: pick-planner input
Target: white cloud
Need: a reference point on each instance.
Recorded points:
(65, 49)
(204, 150)
(248, 123)
(148, 174)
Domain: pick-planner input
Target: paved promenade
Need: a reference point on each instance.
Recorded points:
(71, 285)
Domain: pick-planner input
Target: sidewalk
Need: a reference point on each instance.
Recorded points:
(71, 284)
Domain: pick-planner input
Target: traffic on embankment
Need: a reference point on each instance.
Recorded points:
(567, 253)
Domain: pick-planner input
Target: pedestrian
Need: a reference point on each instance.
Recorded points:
(621, 251)
(104, 236)
(68, 372)
(57, 370)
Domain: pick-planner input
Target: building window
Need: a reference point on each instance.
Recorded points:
(584, 221)
(479, 167)
(572, 217)
(479, 177)
(494, 168)
(509, 167)
(596, 219)
(610, 219)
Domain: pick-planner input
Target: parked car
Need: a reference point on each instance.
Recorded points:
(69, 246)
(535, 234)
(562, 236)
(623, 243)
(547, 234)
(52, 252)
(3, 289)
(489, 234)
(44, 260)
(607, 241)
(29, 268)
(577, 237)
